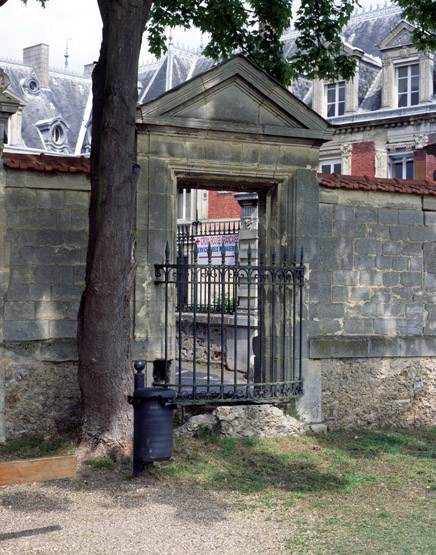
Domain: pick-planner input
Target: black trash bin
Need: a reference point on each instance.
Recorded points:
(152, 424)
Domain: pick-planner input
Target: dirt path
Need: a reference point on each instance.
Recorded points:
(101, 513)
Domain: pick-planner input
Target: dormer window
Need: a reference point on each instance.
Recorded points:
(335, 97)
(408, 85)
(54, 134)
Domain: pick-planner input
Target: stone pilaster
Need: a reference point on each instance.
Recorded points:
(426, 63)
(388, 86)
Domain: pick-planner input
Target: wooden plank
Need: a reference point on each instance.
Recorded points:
(37, 470)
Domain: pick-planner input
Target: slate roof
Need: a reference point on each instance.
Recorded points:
(68, 96)
(365, 183)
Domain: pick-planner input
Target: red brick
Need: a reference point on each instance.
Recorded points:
(363, 159)
(222, 205)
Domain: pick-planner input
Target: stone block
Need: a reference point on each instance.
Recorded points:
(388, 216)
(70, 255)
(418, 233)
(412, 249)
(67, 292)
(430, 258)
(21, 237)
(360, 293)
(378, 231)
(392, 247)
(20, 198)
(361, 326)
(23, 274)
(347, 229)
(49, 237)
(49, 274)
(50, 199)
(27, 330)
(430, 281)
(416, 264)
(344, 213)
(19, 310)
(393, 310)
(72, 310)
(368, 246)
(31, 219)
(330, 310)
(414, 310)
(381, 296)
(76, 199)
(384, 327)
(28, 292)
(33, 255)
(429, 203)
(75, 238)
(325, 220)
(399, 232)
(63, 328)
(371, 278)
(364, 262)
(345, 277)
(430, 218)
(59, 351)
(410, 217)
(370, 309)
(79, 219)
(327, 196)
(50, 310)
(403, 293)
(411, 279)
(409, 327)
(339, 294)
(335, 253)
(400, 263)
(79, 275)
(368, 215)
(63, 219)
(329, 326)
(384, 262)
(390, 279)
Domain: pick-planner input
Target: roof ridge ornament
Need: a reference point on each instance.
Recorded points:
(4, 80)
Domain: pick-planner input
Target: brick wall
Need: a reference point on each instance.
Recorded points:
(363, 159)
(222, 205)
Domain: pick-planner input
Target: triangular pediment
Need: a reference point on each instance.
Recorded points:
(400, 35)
(235, 93)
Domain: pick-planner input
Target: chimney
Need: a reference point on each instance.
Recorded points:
(37, 57)
(88, 69)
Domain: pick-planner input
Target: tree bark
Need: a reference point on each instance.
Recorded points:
(105, 370)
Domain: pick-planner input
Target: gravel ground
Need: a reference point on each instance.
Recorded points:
(100, 512)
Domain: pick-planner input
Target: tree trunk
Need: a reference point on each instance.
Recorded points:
(105, 370)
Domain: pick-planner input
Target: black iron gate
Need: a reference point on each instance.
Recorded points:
(239, 328)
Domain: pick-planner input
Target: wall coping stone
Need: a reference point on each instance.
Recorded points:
(371, 346)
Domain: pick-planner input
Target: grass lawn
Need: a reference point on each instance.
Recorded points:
(346, 492)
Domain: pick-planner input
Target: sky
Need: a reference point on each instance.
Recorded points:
(76, 20)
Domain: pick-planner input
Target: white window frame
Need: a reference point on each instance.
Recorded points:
(408, 79)
(400, 158)
(331, 162)
(338, 105)
(185, 213)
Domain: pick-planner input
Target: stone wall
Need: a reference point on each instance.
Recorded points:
(42, 262)
(373, 329)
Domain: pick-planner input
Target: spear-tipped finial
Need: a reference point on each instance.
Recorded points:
(262, 256)
(167, 253)
(249, 254)
(195, 253)
(237, 254)
(209, 253)
(301, 259)
(273, 256)
(223, 254)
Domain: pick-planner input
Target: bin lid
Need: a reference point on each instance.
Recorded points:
(150, 392)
